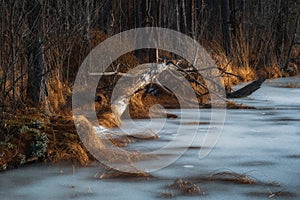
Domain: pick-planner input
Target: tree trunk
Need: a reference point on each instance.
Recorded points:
(87, 22)
(226, 26)
(36, 90)
(139, 21)
(183, 19)
(177, 24)
(190, 17)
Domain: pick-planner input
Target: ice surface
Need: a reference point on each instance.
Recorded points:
(263, 143)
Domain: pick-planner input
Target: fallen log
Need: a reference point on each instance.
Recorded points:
(247, 90)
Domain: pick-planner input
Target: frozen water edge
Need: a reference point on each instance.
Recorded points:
(263, 143)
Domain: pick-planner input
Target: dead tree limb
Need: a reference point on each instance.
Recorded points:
(132, 81)
(191, 79)
(139, 77)
(247, 90)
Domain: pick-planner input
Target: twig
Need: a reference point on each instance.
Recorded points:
(196, 81)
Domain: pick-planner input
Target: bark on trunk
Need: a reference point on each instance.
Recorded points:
(36, 91)
(247, 90)
(226, 25)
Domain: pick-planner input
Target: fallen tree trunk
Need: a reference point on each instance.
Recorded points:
(247, 90)
(139, 77)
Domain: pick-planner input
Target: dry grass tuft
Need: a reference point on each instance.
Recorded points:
(71, 151)
(289, 85)
(110, 173)
(231, 177)
(234, 105)
(228, 177)
(182, 188)
(237, 64)
(107, 120)
(243, 74)
(292, 69)
(102, 146)
(272, 71)
(64, 143)
(58, 92)
(141, 105)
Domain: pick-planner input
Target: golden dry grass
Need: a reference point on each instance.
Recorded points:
(58, 93)
(270, 72)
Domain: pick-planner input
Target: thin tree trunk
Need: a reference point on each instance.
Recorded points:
(158, 23)
(193, 18)
(87, 22)
(177, 17)
(12, 47)
(183, 21)
(36, 90)
(139, 20)
(190, 17)
(226, 26)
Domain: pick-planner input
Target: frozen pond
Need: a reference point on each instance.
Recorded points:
(262, 143)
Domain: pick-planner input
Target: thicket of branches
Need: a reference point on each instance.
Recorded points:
(43, 42)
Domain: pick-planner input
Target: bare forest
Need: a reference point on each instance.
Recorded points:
(43, 43)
